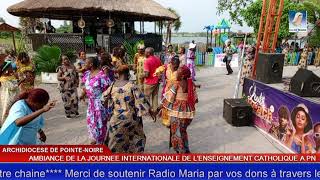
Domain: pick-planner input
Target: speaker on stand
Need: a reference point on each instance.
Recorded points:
(270, 68)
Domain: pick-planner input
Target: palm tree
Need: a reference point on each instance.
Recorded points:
(174, 24)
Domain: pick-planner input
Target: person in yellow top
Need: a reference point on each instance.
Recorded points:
(139, 59)
(26, 72)
(170, 72)
(8, 87)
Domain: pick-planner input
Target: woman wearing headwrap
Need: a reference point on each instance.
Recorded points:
(126, 105)
(170, 73)
(26, 72)
(95, 83)
(180, 102)
(9, 87)
(25, 120)
(139, 59)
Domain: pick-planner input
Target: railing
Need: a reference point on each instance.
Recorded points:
(66, 41)
(150, 40)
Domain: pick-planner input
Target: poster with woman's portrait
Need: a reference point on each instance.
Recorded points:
(298, 21)
(291, 120)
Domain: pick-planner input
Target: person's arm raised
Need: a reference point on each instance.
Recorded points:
(28, 118)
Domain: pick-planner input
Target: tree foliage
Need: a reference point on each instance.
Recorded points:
(233, 8)
(65, 27)
(313, 8)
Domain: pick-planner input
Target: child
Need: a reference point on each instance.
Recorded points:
(180, 102)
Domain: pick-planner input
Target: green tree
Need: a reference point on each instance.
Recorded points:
(251, 15)
(175, 25)
(313, 7)
(233, 8)
(2, 20)
(65, 27)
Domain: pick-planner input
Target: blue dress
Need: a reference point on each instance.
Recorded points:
(11, 134)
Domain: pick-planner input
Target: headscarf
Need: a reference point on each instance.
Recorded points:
(186, 74)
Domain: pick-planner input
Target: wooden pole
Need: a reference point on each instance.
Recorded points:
(14, 42)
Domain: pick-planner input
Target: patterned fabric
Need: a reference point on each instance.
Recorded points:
(317, 58)
(181, 115)
(171, 78)
(183, 60)
(247, 68)
(140, 69)
(9, 90)
(79, 64)
(191, 64)
(303, 59)
(168, 57)
(96, 113)
(26, 75)
(68, 89)
(126, 106)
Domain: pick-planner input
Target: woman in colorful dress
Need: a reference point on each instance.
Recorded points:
(169, 54)
(25, 121)
(9, 87)
(247, 68)
(180, 103)
(182, 56)
(317, 58)
(95, 83)
(68, 78)
(126, 104)
(139, 59)
(26, 72)
(170, 74)
(303, 63)
(191, 57)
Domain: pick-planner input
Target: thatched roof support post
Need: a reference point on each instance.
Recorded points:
(155, 27)
(14, 42)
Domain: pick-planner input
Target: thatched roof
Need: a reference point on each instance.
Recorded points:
(4, 27)
(136, 10)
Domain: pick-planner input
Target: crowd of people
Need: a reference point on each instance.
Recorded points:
(116, 106)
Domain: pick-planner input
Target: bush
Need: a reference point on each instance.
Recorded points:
(47, 59)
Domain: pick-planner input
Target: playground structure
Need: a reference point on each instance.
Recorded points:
(220, 32)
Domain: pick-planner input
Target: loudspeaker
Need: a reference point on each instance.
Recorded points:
(305, 84)
(269, 68)
(237, 112)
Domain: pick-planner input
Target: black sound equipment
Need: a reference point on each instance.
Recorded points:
(237, 112)
(269, 68)
(305, 84)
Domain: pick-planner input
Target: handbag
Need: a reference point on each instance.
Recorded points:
(225, 59)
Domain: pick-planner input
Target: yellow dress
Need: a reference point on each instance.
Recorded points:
(27, 75)
(140, 69)
(171, 78)
(9, 91)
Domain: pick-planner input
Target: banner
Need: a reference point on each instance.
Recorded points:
(298, 21)
(206, 171)
(218, 62)
(292, 120)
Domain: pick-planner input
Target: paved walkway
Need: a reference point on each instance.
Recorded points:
(208, 132)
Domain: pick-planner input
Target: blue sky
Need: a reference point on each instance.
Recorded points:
(194, 14)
